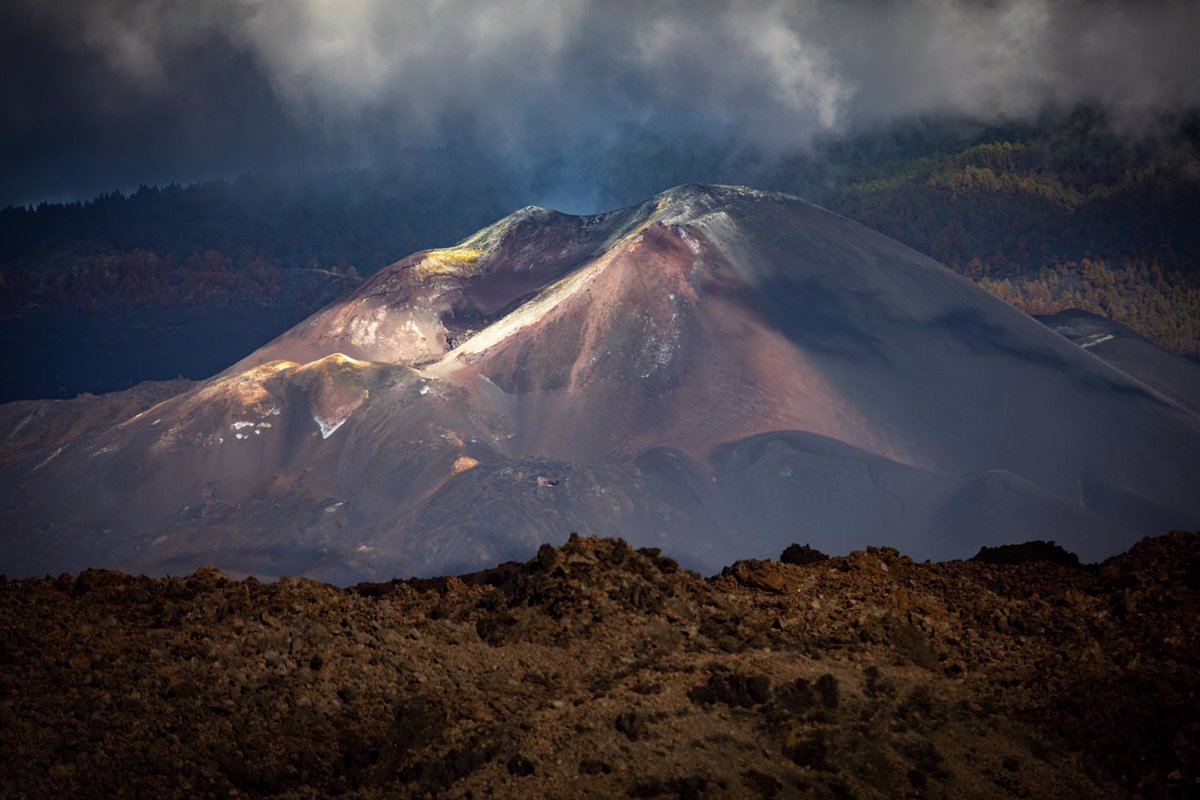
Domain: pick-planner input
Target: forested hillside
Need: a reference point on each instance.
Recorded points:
(1049, 224)
(354, 217)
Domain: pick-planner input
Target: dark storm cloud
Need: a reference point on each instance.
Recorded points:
(115, 92)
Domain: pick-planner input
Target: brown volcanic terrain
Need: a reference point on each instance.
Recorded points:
(717, 371)
(596, 670)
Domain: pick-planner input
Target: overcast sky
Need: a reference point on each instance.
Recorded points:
(108, 94)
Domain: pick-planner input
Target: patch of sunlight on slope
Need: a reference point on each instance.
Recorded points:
(530, 313)
(545, 302)
(245, 388)
(449, 261)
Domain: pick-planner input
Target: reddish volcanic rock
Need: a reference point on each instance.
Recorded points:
(718, 371)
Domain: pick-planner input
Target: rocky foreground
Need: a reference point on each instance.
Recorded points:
(596, 670)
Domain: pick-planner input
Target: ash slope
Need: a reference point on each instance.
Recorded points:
(719, 371)
(1174, 375)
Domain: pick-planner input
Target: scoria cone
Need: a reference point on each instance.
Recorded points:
(718, 370)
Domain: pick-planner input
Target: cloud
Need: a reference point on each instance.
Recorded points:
(174, 87)
(1012, 59)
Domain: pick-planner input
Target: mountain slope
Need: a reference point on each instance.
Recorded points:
(718, 370)
(1174, 375)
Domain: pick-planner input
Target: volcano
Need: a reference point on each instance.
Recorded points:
(718, 371)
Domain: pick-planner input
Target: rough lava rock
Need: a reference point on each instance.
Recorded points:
(599, 670)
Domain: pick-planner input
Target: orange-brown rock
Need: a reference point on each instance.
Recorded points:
(598, 670)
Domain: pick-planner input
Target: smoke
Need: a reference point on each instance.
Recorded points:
(149, 90)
